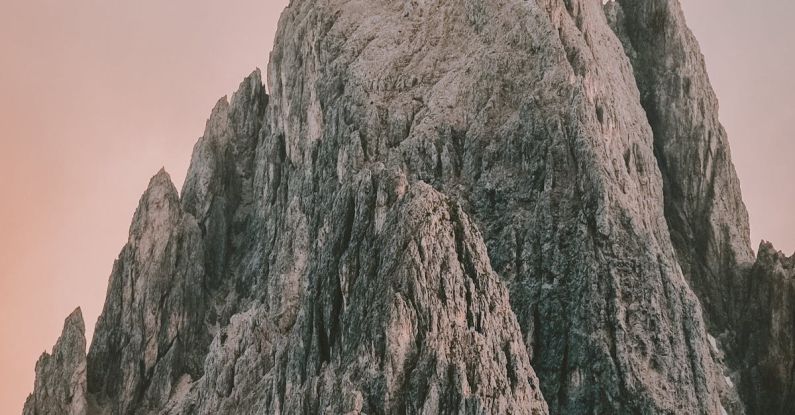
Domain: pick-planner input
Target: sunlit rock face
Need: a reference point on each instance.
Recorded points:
(443, 206)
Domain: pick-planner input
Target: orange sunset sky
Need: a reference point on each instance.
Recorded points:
(96, 96)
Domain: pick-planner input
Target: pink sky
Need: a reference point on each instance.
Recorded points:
(97, 96)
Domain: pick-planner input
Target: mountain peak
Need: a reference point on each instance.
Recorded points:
(161, 187)
(451, 207)
(75, 320)
(61, 375)
(249, 88)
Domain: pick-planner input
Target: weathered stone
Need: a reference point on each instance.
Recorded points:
(405, 317)
(61, 376)
(436, 196)
(152, 329)
(767, 340)
(704, 207)
(528, 114)
(703, 204)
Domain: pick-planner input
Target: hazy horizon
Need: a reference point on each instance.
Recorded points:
(97, 97)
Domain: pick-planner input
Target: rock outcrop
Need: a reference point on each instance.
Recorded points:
(256, 292)
(703, 202)
(60, 387)
(747, 307)
(448, 206)
(152, 329)
(401, 314)
(766, 346)
(527, 112)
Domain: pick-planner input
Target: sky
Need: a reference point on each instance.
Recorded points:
(96, 96)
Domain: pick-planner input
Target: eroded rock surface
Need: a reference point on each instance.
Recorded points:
(268, 289)
(436, 196)
(152, 329)
(704, 207)
(767, 343)
(401, 314)
(60, 387)
(528, 113)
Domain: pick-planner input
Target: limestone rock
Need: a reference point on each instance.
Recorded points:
(405, 317)
(152, 329)
(374, 295)
(528, 114)
(704, 207)
(448, 206)
(766, 375)
(61, 376)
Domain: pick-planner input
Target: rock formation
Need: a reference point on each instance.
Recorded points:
(152, 329)
(438, 201)
(61, 376)
(765, 345)
(746, 305)
(704, 208)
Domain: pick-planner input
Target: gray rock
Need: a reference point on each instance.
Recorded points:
(767, 341)
(437, 196)
(398, 315)
(60, 387)
(528, 114)
(373, 296)
(704, 208)
(152, 329)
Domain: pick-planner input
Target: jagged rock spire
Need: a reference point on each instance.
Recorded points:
(61, 375)
(350, 243)
(152, 328)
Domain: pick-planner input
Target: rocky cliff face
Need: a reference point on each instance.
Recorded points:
(747, 307)
(61, 376)
(152, 329)
(704, 208)
(765, 348)
(449, 206)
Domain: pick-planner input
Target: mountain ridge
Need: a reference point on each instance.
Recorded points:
(492, 204)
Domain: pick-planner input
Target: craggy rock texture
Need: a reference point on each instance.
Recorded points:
(529, 115)
(767, 372)
(267, 289)
(402, 314)
(436, 196)
(152, 329)
(61, 376)
(704, 208)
